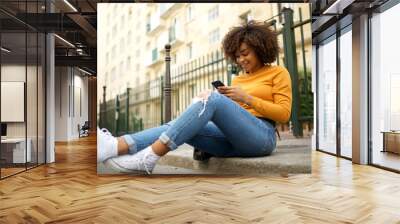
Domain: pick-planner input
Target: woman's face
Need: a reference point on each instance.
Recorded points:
(247, 59)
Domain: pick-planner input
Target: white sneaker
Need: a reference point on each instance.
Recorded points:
(139, 163)
(107, 145)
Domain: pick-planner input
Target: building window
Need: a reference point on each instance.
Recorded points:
(172, 32)
(107, 57)
(345, 83)
(137, 53)
(213, 13)
(137, 67)
(385, 88)
(327, 95)
(213, 36)
(163, 8)
(189, 13)
(154, 54)
(189, 51)
(148, 23)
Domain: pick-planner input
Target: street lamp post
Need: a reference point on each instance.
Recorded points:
(167, 84)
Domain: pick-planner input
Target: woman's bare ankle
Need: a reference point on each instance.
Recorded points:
(159, 148)
(123, 147)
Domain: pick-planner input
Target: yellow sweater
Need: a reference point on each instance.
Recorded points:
(271, 90)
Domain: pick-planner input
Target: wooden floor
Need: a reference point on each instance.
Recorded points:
(70, 191)
(5, 172)
(10, 171)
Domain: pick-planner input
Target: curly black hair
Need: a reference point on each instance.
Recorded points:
(255, 34)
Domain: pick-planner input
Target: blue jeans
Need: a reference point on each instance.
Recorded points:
(218, 126)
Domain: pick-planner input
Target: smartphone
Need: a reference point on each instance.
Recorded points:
(217, 84)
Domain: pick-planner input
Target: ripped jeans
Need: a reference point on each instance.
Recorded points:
(218, 126)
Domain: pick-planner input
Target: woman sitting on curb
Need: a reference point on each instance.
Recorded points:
(236, 121)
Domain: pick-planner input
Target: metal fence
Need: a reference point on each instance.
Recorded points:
(142, 107)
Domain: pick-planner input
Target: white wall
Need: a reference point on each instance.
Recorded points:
(71, 94)
(33, 126)
(12, 73)
(80, 100)
(61, 103)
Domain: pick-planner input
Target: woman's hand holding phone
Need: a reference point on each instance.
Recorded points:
(235, 93)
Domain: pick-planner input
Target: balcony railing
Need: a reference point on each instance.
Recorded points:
(154, 25)
(167, 9)
(175, 37)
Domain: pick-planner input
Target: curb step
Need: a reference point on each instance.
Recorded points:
(295, 159)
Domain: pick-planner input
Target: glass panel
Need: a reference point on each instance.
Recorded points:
(327, 96)
(346, 94)
(32, 86)
(13, 74)
(31, 97)
(41, 98)
(22, 78)
(385, 89)
(154, 55)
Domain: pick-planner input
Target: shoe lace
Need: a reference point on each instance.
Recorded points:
(143, 163)
(106, 132)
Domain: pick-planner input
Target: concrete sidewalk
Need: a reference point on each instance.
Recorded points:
(159, 169)
(291, 156)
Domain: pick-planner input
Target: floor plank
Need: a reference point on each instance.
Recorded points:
(70, 191)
